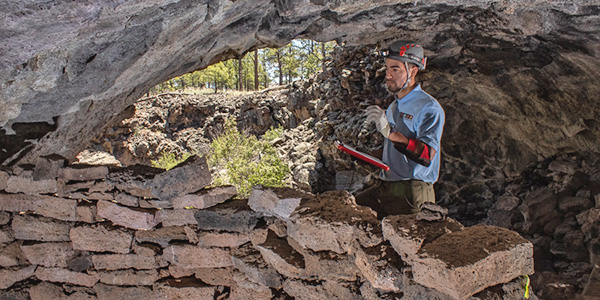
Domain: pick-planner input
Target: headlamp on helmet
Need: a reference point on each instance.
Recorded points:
(406, 52)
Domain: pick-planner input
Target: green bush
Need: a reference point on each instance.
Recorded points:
(273, 133)
(169, 160)
(246, 161)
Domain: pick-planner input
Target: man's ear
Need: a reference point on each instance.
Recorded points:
(413, 71)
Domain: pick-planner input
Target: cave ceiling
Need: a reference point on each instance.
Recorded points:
(68, 68)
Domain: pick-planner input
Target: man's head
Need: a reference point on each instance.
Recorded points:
(403, 60)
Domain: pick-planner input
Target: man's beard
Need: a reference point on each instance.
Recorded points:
(393, 88)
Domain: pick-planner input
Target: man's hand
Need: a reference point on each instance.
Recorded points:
(377, 115)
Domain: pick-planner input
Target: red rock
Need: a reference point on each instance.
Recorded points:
(129, 277)
(16, 184)
(10, 277)
(32, 228)
(49, 254)
(197, 257)
(83, 173)
(65, 276)
(205, 198)
(53, 207)
(124, 261)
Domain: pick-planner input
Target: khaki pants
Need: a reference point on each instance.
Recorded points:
(397, 197)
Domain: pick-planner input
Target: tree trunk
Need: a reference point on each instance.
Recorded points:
(240, 86)
(256, 87)
(279, 64)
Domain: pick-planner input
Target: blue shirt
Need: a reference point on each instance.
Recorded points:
(417, 116)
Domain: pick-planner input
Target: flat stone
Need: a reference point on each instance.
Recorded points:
(49, 254)
(47, 168)
(99, 196)
(216, 276)
(87, 214)
(17, 184)
(188, 177)
(135, 180)
(223, 239)
(407, 234)
(124, 261)
(339, 289)
(80, 262)
(53, 207)
(155, 203)
(305, 290)
(177, 217)
(251, 263)
(233, 215)
(127, 200)
(67, 189)
(3, 180)
(129, 277)
(66, 276)
(193, 257)
(380, 265)
(126, 217)
(162, 236)
(330, 265)
(110, 292)
(100, 239)
(277, 202)
(83, 173)
(205, 198)
(6, 236)
(538, 208)
(10, 277)
(33, 228)
(4, 218)
(12, 255)
(184, 293)
(575, 204)
(332, 222)
(101, 187)
(46, 290)
(465, 262)
(278, 253)
(245, 293)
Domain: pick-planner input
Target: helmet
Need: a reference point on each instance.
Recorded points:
(407, 52)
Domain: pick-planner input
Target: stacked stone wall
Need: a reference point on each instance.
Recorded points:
(98, 232)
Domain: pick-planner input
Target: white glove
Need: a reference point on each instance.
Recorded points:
(377, 115)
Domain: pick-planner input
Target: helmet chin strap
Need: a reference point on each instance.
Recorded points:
(407, 82)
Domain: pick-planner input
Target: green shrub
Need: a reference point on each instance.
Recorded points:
(245, 161)
(273, 133)
(169, 160)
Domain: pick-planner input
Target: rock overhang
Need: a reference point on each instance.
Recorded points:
(67, 70)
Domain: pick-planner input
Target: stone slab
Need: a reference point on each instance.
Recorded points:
(110, 292)
(177, 217)
(6, 236)
(197, 257)
(83, 173)
(17, 184)
(223, 239)
(284, 258)
(66, 276)
(49, 254)
(215, 276)
(87, 214)
(188, 177)
(380, 265)
(126, 217)
(162, 236)
(277, 202)
(100, 239)
(53, 207)
(332, 222)
(10, 277)
(11, 255)
(234, 215)
(305, 290)
(127, 200)
(251, 263)
(3, 180)
(205, 198)
(407, 234)
(124, 261)
(185, 293)
(129, 277)
(465, 262)
(33, 228)
(4, 218)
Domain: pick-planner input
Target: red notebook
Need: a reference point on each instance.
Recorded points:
(366, 157)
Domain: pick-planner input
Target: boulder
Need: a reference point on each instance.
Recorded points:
(465, 262)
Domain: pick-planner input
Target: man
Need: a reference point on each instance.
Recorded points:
(412, 127)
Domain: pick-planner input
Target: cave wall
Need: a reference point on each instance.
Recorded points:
(67, 69)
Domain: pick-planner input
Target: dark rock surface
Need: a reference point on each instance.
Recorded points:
(67, 69)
